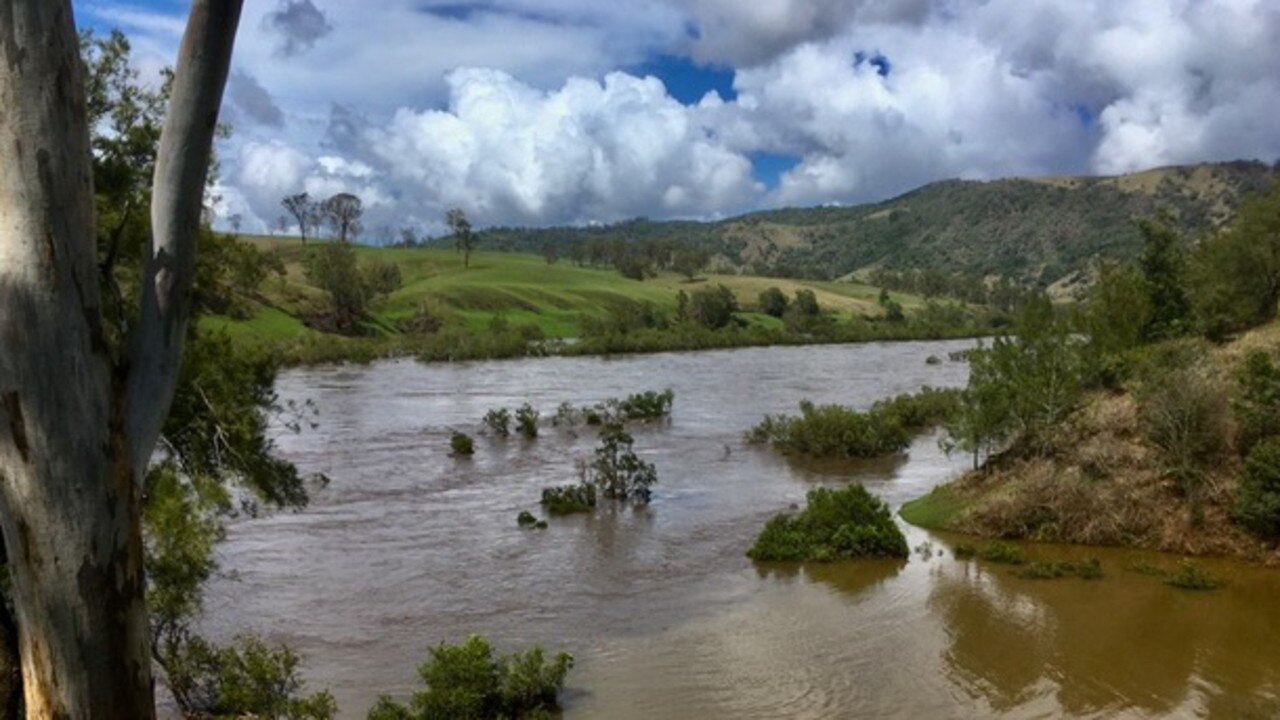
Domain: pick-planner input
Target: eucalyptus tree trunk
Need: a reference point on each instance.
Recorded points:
(77, 424)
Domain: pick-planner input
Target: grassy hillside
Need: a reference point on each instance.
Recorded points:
(520, 289)
(1041, 229)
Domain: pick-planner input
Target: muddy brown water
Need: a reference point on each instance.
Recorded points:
(667, 618)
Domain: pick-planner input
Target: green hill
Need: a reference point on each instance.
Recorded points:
(1040, 229)
(519, 289)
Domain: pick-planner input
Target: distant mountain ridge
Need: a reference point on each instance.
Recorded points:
(1047, 229)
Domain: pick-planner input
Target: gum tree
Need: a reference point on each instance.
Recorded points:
(79, 418)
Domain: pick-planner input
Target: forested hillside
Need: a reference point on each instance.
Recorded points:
(1042, 229)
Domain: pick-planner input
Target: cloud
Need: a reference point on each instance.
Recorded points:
(751, 33)
(299, 23)
(509, 153)
(874, 96)
(252, 100)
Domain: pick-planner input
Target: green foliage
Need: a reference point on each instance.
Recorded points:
(218, 422)
(461, 444)
(247, 678)
(380, 277)
(1118, 312)
(1235, 274)
(690, 261)
(527, 421)
(468, 681)
(526, 519)
(648, 405)
(332, 267)
(773, 302)
(1163, 264)
(836, 524)
(1257, 505)
(1089, 569)
(836, 431)
(498, 421)
(617, 471)
(712, 307)
(806, 303)
(1002, 553)
(569, 499)
(1021, 386)
(1190, 576)
(1256, 404)
(964, 551)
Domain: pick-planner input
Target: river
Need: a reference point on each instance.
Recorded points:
(407, 547)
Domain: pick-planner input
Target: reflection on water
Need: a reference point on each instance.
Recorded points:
(408, 547)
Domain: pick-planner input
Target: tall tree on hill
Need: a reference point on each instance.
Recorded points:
(303, 210)
(463, 237)
(79, 415)
(343, 212)
(1164, 271)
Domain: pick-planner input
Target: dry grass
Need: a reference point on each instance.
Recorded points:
(1103, 483)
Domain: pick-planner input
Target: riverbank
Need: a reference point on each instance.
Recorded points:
(1102, 479)
(509, 305)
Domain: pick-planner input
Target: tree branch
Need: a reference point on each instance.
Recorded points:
(176, 201)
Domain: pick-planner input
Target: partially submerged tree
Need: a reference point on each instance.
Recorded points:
(79, 415)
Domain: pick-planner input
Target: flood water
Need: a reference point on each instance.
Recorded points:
(666, 617)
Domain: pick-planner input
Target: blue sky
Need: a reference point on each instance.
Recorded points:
(547, 111)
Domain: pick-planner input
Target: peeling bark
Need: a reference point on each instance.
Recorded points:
(76, 431)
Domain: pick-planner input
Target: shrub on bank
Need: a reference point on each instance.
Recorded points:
(837, 524)
(1257, 505)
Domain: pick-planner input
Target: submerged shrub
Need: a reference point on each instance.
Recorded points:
(568, 499)
(837, 524)
(499, 421)
(836, 431)
(617, 471)
(999, 552)
(460, 444)
(1257, 505)
(527, 421)
(963, 551)
(468, 680)
(1190, 576)
(649, 405)
(526, 519)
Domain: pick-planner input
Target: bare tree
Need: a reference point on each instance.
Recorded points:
(343, 212)
(236, 220)
(463, 238)
(78, 418)
(303, 212)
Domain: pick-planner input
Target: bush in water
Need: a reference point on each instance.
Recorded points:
(468, 680)
(499, 421)
(461, 445)
(527, 421)
(837, 524)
